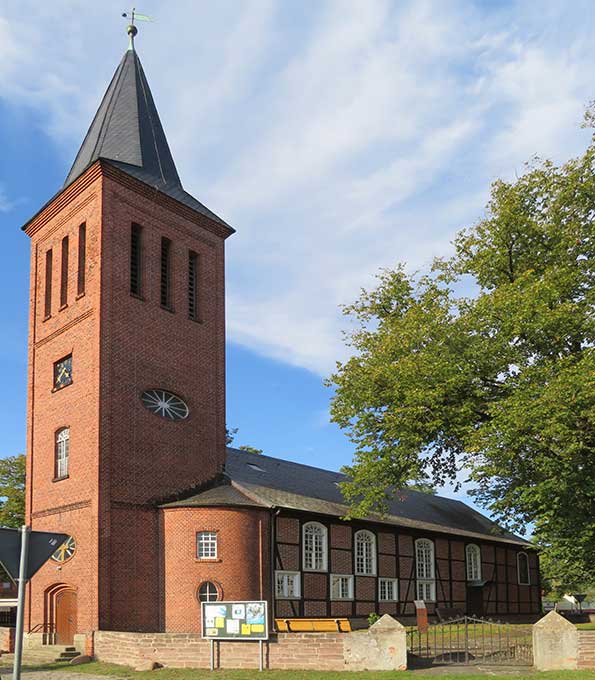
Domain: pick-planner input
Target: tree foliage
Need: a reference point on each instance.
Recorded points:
(12, 491)
(486, 363)
(249, 449)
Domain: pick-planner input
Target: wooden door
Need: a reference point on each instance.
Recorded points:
(65, 617)
(475, 601)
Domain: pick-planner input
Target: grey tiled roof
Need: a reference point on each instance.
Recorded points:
(127, 132)
(272, 482)
(224, 495)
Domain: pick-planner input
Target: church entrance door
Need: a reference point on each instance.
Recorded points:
(65, 617)
(475, 601)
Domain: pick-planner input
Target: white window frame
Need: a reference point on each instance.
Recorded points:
(339, 597)
(309, 552)
(208, 584)
(395, 588)
(207, 547)
(518, 569)
(62, 452)
(282, 578)
(473, 562)
(365, 564)
(425, 570)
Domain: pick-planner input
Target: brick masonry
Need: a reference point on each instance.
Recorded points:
(586, 649)
(6, 640)
(241, 570)
(382, 647)
(122, 457)
(320, 651)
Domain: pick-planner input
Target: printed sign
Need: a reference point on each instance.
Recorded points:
(235, 620)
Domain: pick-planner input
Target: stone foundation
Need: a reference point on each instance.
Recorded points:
(382, 647)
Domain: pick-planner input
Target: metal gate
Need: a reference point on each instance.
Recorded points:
(468, 640)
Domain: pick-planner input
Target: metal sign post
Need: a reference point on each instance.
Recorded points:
(22, 553)
(22, 583)
(237, 620)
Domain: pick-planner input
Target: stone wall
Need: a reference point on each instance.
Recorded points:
(382, 647)
(586, 649)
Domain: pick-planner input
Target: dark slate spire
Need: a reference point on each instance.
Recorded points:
(127, 129)
(127, 132)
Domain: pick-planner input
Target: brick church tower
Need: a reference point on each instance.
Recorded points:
(126, 391)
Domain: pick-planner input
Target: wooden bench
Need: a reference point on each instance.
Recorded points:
(313, 625)
(447, 614)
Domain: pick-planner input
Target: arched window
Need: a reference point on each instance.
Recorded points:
(314, 547)
(424, 569)
(62, 450)
(365, 553)
(208, 592)
(473, 554)
(522, 563)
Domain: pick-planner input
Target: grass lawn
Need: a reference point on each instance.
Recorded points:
(191, 674)
(586, 626)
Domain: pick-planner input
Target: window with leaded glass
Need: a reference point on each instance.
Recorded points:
(473, 558)
(314, 547)
(365, 553)
(62, 452)
(424, 569)
(388, 589)
(341, 587)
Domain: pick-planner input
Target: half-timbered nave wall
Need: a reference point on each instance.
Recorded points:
(327, 567)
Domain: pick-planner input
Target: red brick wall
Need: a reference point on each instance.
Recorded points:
(586, 649)
(69, 505)
(243, 534)
(122, 457)
(143, 346)
(6, 640)
(315, 651)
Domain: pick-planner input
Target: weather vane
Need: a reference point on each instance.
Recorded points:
(132, 30)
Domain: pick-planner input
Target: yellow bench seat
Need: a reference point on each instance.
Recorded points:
(313, 625)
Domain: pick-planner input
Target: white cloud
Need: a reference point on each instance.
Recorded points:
(337, 137)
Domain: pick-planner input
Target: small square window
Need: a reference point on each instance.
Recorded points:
(341, 587)
(426, 591)
(206, 545)
(388, 590)
(287, 585)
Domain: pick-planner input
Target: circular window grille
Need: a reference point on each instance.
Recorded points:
(165, 404)
(208, 592)
(65, 551)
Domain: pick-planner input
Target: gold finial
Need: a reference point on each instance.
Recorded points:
(132, 30)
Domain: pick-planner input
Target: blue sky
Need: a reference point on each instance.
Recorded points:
(338, 137)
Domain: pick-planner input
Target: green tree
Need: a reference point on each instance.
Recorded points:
(487, 363)
(249, 449)
(12, 491)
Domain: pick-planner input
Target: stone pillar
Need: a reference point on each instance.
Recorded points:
(555, 643)
(383, 647)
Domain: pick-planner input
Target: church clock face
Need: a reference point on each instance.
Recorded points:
(63, 372)
(65, 551)
(165, 404)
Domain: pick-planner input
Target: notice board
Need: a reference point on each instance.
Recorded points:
(243, 620)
